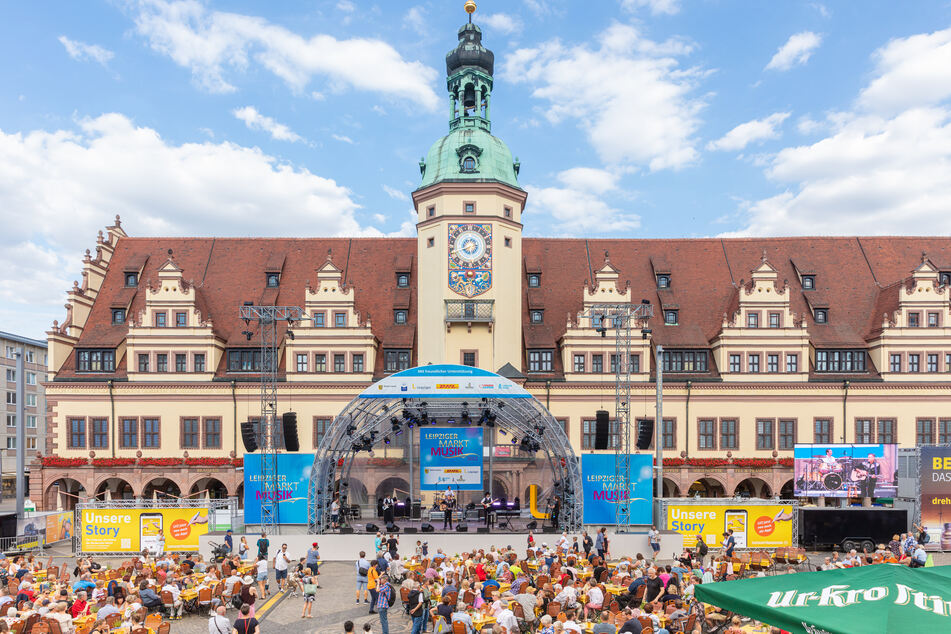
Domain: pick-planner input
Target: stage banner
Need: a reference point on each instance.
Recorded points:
(753, 525)
(936, 496)
(601, 494)
(293, 479)
(843, 470)
(444, 381)
(59, 526)
(450, 457)
(123, 530)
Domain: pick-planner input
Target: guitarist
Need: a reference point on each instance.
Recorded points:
(871, 469)
(448, 501)
(388, 510)
(487, 507)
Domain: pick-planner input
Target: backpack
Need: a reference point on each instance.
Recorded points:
(392, 597)
(236, 601)
(703, 549)
(363, 571)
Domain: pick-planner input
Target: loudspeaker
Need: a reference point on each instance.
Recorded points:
(602, 430)
(645, 433)
(392, 528)
(427, 528)
(247, 436)
(482, 529)
(462, 528)
(549, 529)
(346, 530)
(532, 525)
(416, 511)
(372, 528)
(291, 443)
(410, 529)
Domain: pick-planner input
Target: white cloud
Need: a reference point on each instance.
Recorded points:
(504, 23)
(911, 71)
(346, 6)
(58, 188)
(395, 194)
(668, 7)
(629, 94)
(576, 206)
(796, 51)
(342, 138)
(750, 132)
(590, 179)
(415, 19)
(213, 43)
(379, 219)
(538, 7)
(254, 120)
(81, 52)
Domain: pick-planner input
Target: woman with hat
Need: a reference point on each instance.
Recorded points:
(248, 593)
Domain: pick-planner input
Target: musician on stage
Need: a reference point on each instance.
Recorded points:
(555, 510)
(872, 468)
(487, 505)
(829, 460)
(388, 504)
(448, 502)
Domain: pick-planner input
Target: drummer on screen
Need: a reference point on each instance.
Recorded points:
(829, 460)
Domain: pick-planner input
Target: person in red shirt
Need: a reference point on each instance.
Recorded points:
(79, 606)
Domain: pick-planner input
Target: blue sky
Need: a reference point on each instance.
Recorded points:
(644, 118)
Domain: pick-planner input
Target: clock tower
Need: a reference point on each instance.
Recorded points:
(469, 209)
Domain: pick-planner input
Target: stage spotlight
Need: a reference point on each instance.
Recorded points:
(351, 429)
(290, 333)
(514, 440)
(386, 440)
(503, 432)
(248, 334)
(385, 409)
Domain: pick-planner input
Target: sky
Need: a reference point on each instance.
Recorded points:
(634, 118)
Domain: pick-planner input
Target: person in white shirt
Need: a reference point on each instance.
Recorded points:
(261, 571)
(177, 605)
(571, 626)
(232, 579)
(506, 619)
(281, 560)
(595, 599)
(219, 623)
(65, 620)
(107, 609)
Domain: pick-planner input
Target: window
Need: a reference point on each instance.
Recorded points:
(772, 363)
(161, 362)
(914, 362)
(822, 315)
(840, 361)
(863, 431)
(669, 434)
(11, 375)
(534, 280)
(340, 363)
(11, 352)
(399, 316)
(670, 317)
(539, 360)
(402, 280)
(945, 278)
(143, 363)
(99, 432)
(29, 356)
(774, 320)
(151, 433)
(508, 241)
(431, 211)
(396, 360)
(357, 362)
(579, 363)
(11, 398)
(246, 360)
(792, 363)
(932, 320)
(96, 360)
(663, 281)
(894, 362)
(160, 320)
(11, 420)
(340, 320)
(752, 320)
(31, 421)
(181, 320)
(200, 362)
(947, 362)
(469, 208)
(685, 361)
(469, 310)
(597, 363)
(318, 320)
(129, 437)
(468, 164)
(808, 282)
(31, 400)
(189, 433)
(924, 431)
(635, 363)
(320, 362)
(914, 320)
(181, 363)
(823, 431)
(321, 427)
(507, 212)
(212, 433)
(11, 442)
(430, 242)
(944, 431)
(752, 361)
(932, 363)
(706, 430)
(588, 429)
(132, 279)
(118, 316)
(273, 280)
(469, 359)
(31, 378)
(787, 434)
(31, 442)
(886, 431)
(302, 362)
(764, 434)
(77, 433)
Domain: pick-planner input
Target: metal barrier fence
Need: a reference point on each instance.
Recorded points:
(21, 544)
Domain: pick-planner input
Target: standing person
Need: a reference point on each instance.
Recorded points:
(729, 543)
(281, 561)
(377, 543)
(487, 508)
(263, 545)
(363, 570)
(383, 602)
(586, 544)
(654, 538)
(229, 541)
(448, 501)
(261, 573)
(599, 544)
(392, 543)
(312, 561)
(416, 606)
(310, 593)
(246, 623)
(388, 511)
(219, 623)
(243, 547)
(555, 511)
(372, 578)
(872, 469)
(249, 595)
(335, 513)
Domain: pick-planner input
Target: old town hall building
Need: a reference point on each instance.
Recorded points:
(767, 342)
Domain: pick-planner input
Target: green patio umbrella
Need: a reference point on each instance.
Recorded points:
(864, 600)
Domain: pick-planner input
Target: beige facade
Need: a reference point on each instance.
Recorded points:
(34, 364)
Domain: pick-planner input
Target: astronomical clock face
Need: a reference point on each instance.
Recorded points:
(470, 258)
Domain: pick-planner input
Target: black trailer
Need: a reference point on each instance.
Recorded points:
(850, 528)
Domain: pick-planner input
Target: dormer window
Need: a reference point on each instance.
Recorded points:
(538, 316)
(534, 280)
(399, 316)
(945, 278)
(402, 280)
(670, 317)
(468, 164)
(808, 283)
(131, 280)
(822, 315)
(663, 281)
(118, 316)
(273, 280)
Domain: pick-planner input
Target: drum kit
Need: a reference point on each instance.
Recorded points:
(821, 474)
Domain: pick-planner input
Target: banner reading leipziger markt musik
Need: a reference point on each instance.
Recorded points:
(450, 457)
(601, 493)
(936, 496)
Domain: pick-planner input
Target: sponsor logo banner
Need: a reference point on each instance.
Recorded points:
(936, 496)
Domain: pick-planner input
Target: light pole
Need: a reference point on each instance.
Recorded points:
(659, 433)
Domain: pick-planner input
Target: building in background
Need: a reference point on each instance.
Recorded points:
(34, 363)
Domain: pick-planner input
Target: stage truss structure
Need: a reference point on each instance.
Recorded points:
(623, 319)
(368, 420)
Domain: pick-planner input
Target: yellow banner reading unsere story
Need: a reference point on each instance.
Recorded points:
(753, 525)
(119, 530)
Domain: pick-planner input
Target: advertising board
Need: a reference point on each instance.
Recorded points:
(59, 526)
(936, 496)
(753, 525)
(602, 494)
(444, 381)
(124, 530)
(450, 457)
(293, 480)
(843, 470)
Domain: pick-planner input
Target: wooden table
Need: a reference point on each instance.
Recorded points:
(479, 621)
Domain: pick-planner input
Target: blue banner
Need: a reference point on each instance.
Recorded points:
(601, 494)
(293, 480)
(450, 457)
